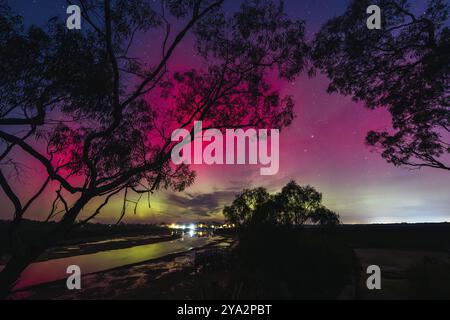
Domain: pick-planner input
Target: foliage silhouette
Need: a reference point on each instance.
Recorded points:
(294, 205)
(403, 67)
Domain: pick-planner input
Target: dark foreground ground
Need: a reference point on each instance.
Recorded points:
(172, 277)
(414, 262)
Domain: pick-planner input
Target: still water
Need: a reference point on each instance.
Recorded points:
(52, 270)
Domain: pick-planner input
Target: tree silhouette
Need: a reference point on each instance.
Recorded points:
(99, 120)
(294, 205)
(325, 217)
(251, 204)
(403, 67)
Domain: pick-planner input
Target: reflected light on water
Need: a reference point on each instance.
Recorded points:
(52, 270)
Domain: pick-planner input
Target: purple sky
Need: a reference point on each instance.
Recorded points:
(324, 147)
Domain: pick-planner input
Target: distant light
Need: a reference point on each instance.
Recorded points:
(192, 227)
(191, 233)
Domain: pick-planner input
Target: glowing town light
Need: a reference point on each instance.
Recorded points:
(192, 227)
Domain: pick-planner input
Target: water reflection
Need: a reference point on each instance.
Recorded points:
(52, 270)
(198, 233)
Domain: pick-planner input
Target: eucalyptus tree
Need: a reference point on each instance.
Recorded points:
(96, 116)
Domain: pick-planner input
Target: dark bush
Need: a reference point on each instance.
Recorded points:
(286, 263)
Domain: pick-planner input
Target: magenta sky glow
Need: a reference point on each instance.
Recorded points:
(324, 147)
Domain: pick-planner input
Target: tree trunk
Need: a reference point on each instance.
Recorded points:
(29, 252)
(12, 271)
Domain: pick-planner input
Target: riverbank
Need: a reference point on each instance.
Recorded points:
(98, 244)
(405, 274)
(87, 239)
(178, 277)
(173, 276)
(177, 272)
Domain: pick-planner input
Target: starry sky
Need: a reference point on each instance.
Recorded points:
(324, 147)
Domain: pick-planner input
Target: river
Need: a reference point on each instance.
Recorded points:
(55, 269)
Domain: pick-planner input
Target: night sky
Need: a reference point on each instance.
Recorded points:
(324, 147)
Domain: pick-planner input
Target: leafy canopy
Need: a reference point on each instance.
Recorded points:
(403, 67)
(294, 205)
